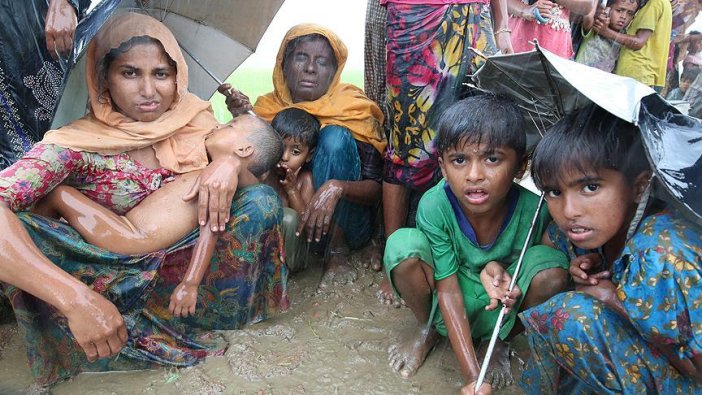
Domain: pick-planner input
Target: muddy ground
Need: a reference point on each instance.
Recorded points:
(331, 341)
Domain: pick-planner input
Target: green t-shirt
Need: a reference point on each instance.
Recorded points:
(454, 253)
(648, 64)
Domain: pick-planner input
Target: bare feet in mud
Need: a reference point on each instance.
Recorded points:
(386, 295)
(408, 356)
(499, 373)
(338, 271)
(372, 256)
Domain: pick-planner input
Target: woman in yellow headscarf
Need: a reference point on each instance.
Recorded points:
(75, 301)
(347, 164)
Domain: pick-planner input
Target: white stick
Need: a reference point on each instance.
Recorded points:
(501, 316)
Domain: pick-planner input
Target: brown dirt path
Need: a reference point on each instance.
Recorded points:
(328, 342)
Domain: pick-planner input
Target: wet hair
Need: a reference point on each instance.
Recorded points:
(297, 124)
(690, 73)
(611, 3)
(268, 147)
(103, 65)
(486, 118)
(292, 44)
(588, 141)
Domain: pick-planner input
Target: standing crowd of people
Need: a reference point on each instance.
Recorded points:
(135, 230)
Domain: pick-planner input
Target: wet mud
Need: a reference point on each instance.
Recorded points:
(329, 341)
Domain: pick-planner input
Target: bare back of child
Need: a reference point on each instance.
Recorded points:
(164, 217)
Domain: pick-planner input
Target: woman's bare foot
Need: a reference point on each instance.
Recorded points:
(372, 255)
(386, 295)
(408, 356)
(499, 372)
(338, 270)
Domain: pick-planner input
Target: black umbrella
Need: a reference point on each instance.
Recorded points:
(546, 87)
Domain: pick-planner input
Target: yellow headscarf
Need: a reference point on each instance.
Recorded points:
(177, 137)
(343, 104)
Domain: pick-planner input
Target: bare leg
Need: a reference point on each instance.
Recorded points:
(157, 222)
(337, 268)
(414, 280)
(98, 225)
(395, 208)
(544, 285)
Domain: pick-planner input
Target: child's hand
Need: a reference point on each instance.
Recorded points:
(183, 300)
(469, 389)
(605, 291)
(289, 182)
(495, 280)
(601, 21)
(581, 269)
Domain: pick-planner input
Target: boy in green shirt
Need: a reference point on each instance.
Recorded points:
(470, 230)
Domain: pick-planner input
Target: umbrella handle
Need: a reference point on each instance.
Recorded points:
(498, 324)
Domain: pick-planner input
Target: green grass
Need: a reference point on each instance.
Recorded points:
(257, 82)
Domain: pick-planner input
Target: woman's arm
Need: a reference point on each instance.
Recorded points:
(317, 218)
(519, 9)
(579, 7)
(95, 323)
(61, 22)
(501, 26)
(365, 192)
(215, 189)
(454, 313)
(237, 102)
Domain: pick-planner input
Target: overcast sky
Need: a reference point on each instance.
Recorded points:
(345, 17)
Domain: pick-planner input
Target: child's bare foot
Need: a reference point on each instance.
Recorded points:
(386, 295)
(407, 357)
(338, 270)
(499, 372)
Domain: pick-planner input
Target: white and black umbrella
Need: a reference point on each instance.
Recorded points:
(216, 37)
